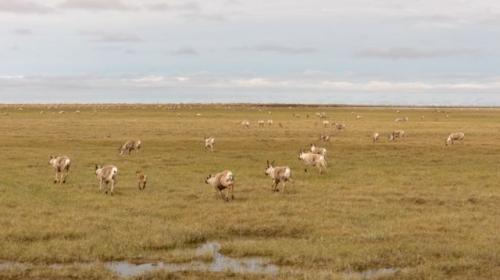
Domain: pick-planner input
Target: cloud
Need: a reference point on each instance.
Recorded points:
(411, 53)
(24, 7)
(189, 10)
(433, 20)
(121, 5)
(108, 37)
(254, 83)
(277, 49)
(129, 52)
(206, 17)
(210, 88)
(212, 17)
(23, 31)
(96, 5)
(184, 51)
(160, 6)
(232, 2)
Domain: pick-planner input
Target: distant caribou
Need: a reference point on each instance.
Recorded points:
(452, 138)
(129, 146)
(209, 143)
(396, 134)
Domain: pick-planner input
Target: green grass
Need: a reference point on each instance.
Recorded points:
(414, 204)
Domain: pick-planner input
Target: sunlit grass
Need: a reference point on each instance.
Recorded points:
(414, 204)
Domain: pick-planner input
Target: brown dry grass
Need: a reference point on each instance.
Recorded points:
(415, 204)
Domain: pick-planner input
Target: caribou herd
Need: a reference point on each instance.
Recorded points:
(315, 157)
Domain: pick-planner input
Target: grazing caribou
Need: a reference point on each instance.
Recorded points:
(129, 146)
(452, 138)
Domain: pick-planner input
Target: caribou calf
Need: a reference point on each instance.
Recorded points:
(141, 179)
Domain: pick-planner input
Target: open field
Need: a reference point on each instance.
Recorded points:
(426, 210)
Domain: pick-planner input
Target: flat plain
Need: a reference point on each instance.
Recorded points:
(415, 207)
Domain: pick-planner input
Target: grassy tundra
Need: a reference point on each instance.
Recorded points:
(431, 211)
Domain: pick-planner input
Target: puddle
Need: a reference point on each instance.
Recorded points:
(373, 274)
(220, 263)
(126, 269)
(239, 265)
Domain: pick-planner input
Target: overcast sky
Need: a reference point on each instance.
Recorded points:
(315, 51)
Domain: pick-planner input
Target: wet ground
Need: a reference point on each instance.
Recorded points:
(219, 263)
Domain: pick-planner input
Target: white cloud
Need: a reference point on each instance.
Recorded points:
(184, 6)
(206, 17)
(109, 37)
(23, 31)
(24, 7)
(258, 83)
(412, 53)
(146, 80)
(96, 5)
(8, 77)
(184, 51)
(275, 48)
(207, 88)
(348, 45)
